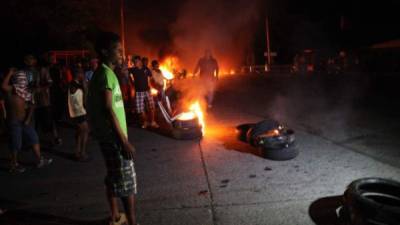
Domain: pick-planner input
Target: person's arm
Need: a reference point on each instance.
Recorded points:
(5, 85)
(128, 148)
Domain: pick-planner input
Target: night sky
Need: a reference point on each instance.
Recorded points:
(154, 27)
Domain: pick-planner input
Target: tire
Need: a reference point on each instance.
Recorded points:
(373, 201)
(260, 128)
(284, 140)
(282, 154)
(187, 134)
(241, 131)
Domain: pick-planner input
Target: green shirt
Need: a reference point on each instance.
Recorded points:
(105, 79)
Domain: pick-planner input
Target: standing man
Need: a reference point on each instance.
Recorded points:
(20, 108)
(108, 122)
(141, 78)
(209, 72)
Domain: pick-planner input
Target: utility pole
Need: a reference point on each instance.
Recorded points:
(268, 41)
(122, 17)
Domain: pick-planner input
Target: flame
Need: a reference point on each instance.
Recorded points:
(196, 109)
(166, 73)
(271, 133)
(187, 116)
(169, 65)
(153, 92)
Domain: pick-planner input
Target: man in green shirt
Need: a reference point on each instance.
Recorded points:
(108, 123)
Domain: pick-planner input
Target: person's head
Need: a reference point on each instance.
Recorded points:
(137, 60)
(30, 60)
(129, 57)
(155, 64)
(207, 53)
(94, 64)
(108, 47)
(145, 61)
(78, 74)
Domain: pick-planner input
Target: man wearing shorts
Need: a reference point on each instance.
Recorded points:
(20, 108)
(143, 98)
(108, 122)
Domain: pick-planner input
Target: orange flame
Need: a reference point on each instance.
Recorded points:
(168, 66)
(196, 109)
(187, 116)
(153, 92)
(166, 73)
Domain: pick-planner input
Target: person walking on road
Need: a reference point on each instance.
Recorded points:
(108, 122)
(208, 70)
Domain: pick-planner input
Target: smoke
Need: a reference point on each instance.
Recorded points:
(225, 27)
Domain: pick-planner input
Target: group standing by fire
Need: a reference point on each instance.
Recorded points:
(93, 93)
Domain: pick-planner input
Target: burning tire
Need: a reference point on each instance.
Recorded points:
(186, 133)
(276, 142)
(186, 129)
(260, 128)
(373, 201)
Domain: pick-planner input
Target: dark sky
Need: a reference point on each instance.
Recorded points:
(40, 25)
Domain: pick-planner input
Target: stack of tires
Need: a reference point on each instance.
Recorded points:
(275, 141)
(372, 201)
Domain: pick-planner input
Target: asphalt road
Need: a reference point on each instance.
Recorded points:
(346, 128)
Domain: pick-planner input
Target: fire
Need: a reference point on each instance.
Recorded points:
(153, 92)
(196, 109)
(187, 116)
(168, 66)
(166, 73)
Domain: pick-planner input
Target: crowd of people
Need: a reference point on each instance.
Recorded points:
(97, 94)
(35, 99)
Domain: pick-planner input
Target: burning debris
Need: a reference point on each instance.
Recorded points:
(276, 141)
(183, 118)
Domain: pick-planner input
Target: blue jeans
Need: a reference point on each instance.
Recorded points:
(18, 131)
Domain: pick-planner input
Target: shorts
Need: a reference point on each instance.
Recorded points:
(142, 99)
(19, 132)
(78, 120)
(120, 180)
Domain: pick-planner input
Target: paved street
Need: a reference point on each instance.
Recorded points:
(343, 133)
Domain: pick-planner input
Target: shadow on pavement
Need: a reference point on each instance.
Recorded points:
(324, 211)
(24, 217)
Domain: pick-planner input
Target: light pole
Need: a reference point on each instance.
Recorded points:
(122, 17)
(268, 41)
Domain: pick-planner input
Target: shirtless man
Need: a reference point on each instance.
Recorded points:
(19, 117)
